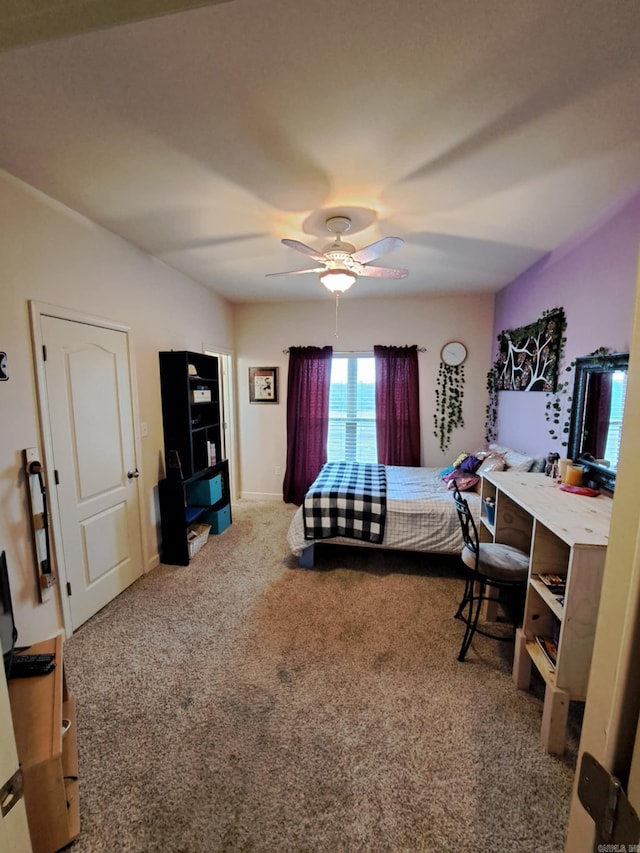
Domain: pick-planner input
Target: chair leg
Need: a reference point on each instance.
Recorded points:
(515, 605)
(475, 603)
(466, 595)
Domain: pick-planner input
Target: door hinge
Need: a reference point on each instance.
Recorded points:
(604, 798)
(44, 352)
(69, 588)
(56, 476)
(11, 793)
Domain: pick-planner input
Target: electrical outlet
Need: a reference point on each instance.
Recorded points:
(31, 454)
(278, 470)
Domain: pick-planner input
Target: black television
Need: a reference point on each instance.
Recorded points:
(8, 632)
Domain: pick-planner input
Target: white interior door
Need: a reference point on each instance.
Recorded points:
(90, 418)
(633, 788)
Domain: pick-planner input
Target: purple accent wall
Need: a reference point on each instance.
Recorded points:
(593, 277)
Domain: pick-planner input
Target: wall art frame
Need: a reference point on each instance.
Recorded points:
(263, 384)
(529, 357)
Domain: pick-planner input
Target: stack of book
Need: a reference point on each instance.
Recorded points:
(549, 649)
(555, 583)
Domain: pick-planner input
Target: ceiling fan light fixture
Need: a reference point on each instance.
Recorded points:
(338, 280)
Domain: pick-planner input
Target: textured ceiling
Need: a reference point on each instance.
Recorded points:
(482, 133)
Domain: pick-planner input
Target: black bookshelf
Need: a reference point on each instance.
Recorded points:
(190, 410)
(191, 417)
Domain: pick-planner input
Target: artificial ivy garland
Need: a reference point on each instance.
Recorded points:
(558, 408)
(449, 394)
(491, 419)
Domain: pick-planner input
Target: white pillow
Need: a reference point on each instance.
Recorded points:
(515, 461)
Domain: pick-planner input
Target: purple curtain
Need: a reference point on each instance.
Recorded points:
(397, 405)
(597, 414)
(307, 418)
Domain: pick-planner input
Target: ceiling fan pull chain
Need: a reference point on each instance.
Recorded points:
(337, 302)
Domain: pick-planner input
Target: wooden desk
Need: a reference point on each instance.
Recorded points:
(567, 535)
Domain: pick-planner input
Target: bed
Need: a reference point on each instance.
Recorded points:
(420, 516)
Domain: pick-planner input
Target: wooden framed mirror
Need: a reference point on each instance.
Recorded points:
(596, 415)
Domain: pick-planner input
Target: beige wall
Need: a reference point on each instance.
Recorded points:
(264, 331)
(50, 254)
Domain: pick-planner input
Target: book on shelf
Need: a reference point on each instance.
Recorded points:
(549, 649)
(556, 584)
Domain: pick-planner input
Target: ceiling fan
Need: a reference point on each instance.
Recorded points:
(342, 264)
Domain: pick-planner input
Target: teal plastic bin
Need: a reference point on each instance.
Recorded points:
(205, 492)
(219, 519)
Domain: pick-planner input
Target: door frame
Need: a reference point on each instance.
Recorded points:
(227, 367)
(612, 709)
(36, 311)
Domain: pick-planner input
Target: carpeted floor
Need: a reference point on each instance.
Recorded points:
(241, 703)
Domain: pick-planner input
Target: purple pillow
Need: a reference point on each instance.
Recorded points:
(464, 482)
(470, 464)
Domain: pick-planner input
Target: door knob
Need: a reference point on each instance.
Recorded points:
(132, 474)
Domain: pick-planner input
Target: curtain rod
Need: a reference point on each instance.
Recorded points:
(420, 349)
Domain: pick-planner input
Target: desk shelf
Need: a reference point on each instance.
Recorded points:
(565, 535)
(543, 666)
(487, 531)
(549, 598)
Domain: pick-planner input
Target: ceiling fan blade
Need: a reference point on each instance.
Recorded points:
(384, 272)
(306, 250)
(297, 272)
(376, 250)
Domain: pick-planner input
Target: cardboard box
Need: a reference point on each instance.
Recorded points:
(205, 492)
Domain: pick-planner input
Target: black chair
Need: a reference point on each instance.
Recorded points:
(495, 573)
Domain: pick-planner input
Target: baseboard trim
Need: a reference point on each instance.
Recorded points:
(152, 563)
(260, 496)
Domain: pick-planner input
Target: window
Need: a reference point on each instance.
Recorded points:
(618, 394)
(352, 409)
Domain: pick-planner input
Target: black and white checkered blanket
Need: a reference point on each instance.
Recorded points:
(347, 499)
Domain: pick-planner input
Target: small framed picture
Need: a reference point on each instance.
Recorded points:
(263, 384)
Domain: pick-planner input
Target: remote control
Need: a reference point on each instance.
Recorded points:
(25, 659)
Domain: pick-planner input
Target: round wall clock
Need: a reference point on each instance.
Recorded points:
(453, 353)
